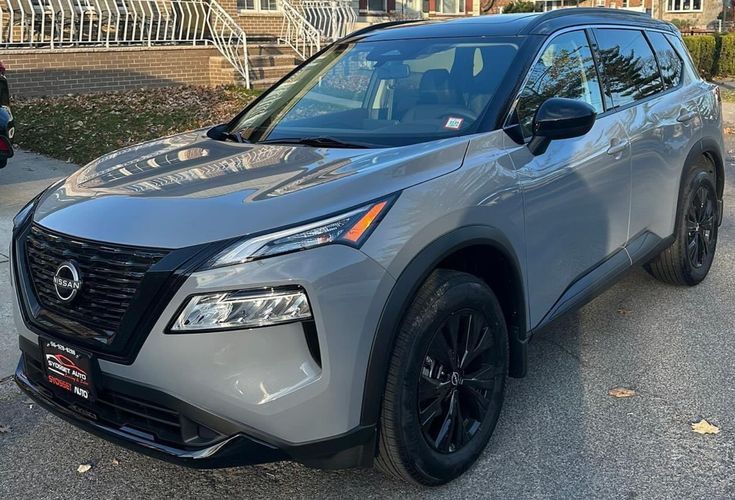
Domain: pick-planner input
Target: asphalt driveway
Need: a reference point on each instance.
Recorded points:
(560, 434)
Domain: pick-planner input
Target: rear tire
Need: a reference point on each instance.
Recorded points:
(689, 258)
(441, 404)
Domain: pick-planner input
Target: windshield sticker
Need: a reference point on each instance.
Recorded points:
(453, 123)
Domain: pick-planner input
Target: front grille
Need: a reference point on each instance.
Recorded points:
(110, 277)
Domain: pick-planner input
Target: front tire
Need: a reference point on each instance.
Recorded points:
(689, 258)
(446, 380)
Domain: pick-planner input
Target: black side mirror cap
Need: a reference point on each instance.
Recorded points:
(560, 118)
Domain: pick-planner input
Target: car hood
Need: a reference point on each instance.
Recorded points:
(189, 189)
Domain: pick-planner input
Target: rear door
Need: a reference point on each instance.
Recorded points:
(645, 79)
(577, 193)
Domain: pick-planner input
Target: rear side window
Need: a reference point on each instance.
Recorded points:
(630, 66)
(669, 61)
(681, 49)
(565, 69)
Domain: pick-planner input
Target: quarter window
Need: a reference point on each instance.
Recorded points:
(565, 69)
(630, 66)
(669, 61)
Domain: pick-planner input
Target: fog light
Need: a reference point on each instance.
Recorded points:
(242, 309)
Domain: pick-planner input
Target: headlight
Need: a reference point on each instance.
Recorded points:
(21, 216)
(351, 228)
(242, 309)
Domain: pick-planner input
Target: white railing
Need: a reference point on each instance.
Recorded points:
(333, 18)
(229, 38)
(309, 24)
(108, 23)
(298, 32)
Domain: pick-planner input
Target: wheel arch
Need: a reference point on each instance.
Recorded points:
(710, 149)
(442, 250)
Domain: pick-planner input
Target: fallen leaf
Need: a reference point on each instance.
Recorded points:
(115, 462)
(727, 130)
(624, 312)
(84, 468)
(704, 427)
(621, 392)
(4, 429)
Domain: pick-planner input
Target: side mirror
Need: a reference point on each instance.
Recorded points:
(560, 118)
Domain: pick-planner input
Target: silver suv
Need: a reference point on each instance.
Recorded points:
(346, 273)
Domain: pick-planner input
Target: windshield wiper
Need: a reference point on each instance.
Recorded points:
(321, 140)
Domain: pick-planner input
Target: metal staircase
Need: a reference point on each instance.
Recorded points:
(57, 24)
(229, 38)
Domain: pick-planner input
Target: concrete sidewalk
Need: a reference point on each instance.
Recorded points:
(26, 175)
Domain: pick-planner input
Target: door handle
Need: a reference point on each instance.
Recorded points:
(618, 148)
(685, 116)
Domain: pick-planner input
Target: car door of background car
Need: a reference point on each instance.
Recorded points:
(577, 193)
(645, 79)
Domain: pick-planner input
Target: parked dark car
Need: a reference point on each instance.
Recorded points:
(7, 125)
(348, 271)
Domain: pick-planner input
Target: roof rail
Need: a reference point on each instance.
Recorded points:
(555, 19)
(387, 24)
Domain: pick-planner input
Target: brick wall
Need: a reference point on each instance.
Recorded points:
(706, 18)
(255, 24)
(35, 72)
(258, 24)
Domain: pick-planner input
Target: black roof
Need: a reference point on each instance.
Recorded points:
(510, 24)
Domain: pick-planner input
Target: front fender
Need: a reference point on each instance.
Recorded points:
(403, 292)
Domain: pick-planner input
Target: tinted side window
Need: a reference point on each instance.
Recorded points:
(669, 61)
(630, 67)
(681, 49)
(565, 69)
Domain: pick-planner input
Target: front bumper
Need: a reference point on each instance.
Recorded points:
(226, 444)
(264, 390)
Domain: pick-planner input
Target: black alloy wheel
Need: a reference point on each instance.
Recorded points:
(701, 222)
(446, 380)
(460, 367)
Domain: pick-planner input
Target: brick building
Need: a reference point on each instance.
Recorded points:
(110, 48)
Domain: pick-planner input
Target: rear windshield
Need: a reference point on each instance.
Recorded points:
(385, 93)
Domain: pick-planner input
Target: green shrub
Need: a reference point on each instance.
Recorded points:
(682, 24)
(726, 59)
(519, 6)
(704, 50)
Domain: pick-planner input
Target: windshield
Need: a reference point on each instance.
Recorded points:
(384, 93)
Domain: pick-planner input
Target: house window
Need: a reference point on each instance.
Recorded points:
(257, 5)
(683, 5)
(450, 6)
(376, 5)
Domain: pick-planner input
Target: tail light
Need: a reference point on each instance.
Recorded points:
(6, 148)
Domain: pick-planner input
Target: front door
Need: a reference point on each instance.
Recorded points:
(577, 193)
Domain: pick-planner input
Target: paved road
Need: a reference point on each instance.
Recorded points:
(26, 175)
(560, 434)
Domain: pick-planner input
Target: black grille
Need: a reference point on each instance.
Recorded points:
(110, 278)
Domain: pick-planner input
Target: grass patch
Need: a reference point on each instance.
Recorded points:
(728, 95)
(79, 128)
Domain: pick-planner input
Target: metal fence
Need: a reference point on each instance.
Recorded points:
(311, 23)
(332, 18)
(108, 23)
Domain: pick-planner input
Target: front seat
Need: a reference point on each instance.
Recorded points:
(434, 94)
